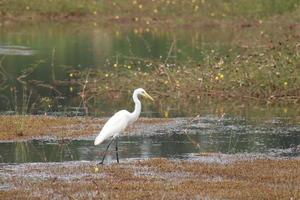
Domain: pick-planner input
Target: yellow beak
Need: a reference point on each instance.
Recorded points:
(148, 96)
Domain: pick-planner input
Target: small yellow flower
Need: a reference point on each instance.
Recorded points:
(285, 84)
(115, 65)
(71, 74)
(166, 114)
(155, 10)
(217, 78)
(129, 67)
(96, 169)
(95, 12)
(106, 75)
(27, 7)
(221, 62)
(140, 6)
(117, 17)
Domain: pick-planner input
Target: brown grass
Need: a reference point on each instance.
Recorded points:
(155, 179)
(19, 127)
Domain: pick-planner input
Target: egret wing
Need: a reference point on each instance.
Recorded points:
(114, 126)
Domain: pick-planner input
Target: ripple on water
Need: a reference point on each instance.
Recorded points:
(16, 50)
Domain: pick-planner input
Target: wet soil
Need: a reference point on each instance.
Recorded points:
(215, 176)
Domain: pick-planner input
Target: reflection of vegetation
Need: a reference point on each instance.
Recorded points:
(21, 91)
(22, 152)
(61, 151)
(35, 152)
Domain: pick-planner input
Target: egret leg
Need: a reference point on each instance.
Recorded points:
(105, 152)
(117, 152)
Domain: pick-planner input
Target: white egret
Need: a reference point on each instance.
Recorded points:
(119, 121)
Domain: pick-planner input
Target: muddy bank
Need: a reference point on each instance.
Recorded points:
(20, 128)
(223, 177)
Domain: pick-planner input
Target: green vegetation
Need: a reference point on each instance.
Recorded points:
(261, 64)
(267, 75)
(161, 10)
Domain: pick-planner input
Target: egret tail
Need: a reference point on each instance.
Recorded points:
(99, 139)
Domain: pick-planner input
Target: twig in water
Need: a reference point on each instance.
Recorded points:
(83, 94)
(52, 64)
(185, 131)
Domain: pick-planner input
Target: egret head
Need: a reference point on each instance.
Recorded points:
(142, 92)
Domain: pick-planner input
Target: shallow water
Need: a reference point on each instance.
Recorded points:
(206, 135)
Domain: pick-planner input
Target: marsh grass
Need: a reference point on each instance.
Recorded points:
(175, 11)
(61, 128)
(156, 179)
(264, 70)
(266, 76)
(26, 127)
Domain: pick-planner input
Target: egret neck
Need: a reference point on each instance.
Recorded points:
(137, 108)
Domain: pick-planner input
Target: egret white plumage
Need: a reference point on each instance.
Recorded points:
(119, 121)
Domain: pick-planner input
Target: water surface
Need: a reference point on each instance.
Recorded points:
(208, 134)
